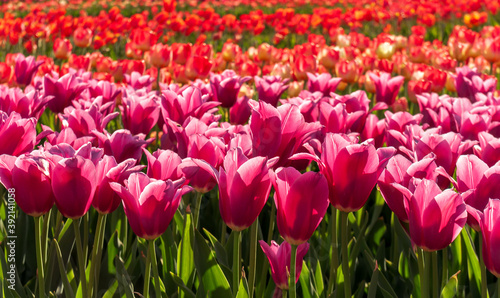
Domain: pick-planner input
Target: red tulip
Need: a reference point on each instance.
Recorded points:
(82, 37)
(301, 202)
(150, 204)
(30, 176)
(62, 48)
(279, 258)
(490, 228)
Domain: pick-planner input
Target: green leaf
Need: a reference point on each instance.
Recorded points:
(472, 259)
(243, 289)
(123, 278)
(305, 282)
(67, 287)
(450, 290)
(220, 251)
(178, 281)
(185, 256)
(318, 278)
(209, 272)
(372, 289)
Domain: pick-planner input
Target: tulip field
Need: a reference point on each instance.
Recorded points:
(250, 148)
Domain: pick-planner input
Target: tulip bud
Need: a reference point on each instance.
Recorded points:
(62, 48)
(82, 37)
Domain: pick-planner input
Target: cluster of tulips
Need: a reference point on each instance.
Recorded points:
(74, 141)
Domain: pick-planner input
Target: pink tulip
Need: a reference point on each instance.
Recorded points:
(270, 88)
(140, 111)
(122, 144)
(74, 182)
(189, 102)
(488, 149)
(244, 186)
(25, 69)
(225, 87)
(374, 129)
(478, 183)
(323, 83)
(468, 83)
(435, 217)
(65, 136)
(138, 81)
(399, 172)
(18, 135)
(279, 257)
(150, 204)
(240, 112)
(163, 165)
(28, 103)
(301, 202)
(351, 169)
(279, 131)
(30, 176)
(83, 121)
(105, 199)
(64, 90)
(387, 88)
(490, 228)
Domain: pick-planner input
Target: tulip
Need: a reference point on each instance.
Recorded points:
(301, 201)
(323, 83)
(6, 72)
(82, 37)
(25, 69)
(226, 86)
(279, 258)
(488, 149)
(121, 144)
(160, 55)
(270, 88)
(18, 135)
(17, 173)
(62, 48)
(150, 204)
(64, 90)
(490, 229)
(163, 165)
(387, 88)
(140, 112)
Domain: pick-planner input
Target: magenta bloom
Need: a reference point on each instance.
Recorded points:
(386, 88)
(468, 83)
(478, 183)
(122, 144)
(140, 112)
(270, 88)
(279, 131)
(490, 228)
(244, 186)
(105, 199)
(25, 69)
(64, 90)
(30, 176)
(138, 81)
(301, 202)
(323, 83)
(226, 86)
(352, 170)
(84, 121)
(240, 112)
(28, 103)
(18, 135)
(436, 217)
(279, 257)
(74, 182)
(189, 102)
(488, 149)
(150, 204)
(163, 165)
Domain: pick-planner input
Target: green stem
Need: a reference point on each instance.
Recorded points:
(253, 256)
(444, 279)
(265, 267)
(223, 233)
(81, 258)
(99, 253)
(236, 262)
(154, 265)
(344, 225)
(59, 220)
(335, 252)
(284, 293)
(435, 275)
(498, 288)
(95, 262)
(45, 231)
(39, 256)
(424, 287)
(484, 282)
(197, 206)
(293, 260)
(147, 275)
(85, 243)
